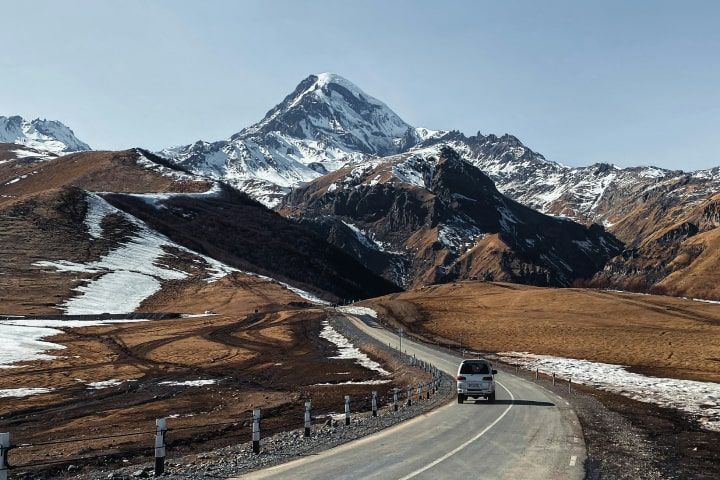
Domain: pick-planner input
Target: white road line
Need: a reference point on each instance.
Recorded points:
(460, 447)
(573, 459)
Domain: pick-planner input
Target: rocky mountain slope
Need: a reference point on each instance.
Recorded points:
(616, 197)
(48, 136)
(324, 124)
(679, 255)
(430, 216)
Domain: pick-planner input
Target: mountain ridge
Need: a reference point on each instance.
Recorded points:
(40, 134)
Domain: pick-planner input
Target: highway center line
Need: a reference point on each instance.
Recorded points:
(460, 447)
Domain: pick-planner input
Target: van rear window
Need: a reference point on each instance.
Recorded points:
(475, 368)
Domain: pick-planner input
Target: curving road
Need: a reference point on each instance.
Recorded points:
(528, 434)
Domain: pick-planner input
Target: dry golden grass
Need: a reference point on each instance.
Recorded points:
(651, 334)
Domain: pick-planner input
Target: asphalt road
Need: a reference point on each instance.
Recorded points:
(528, 433)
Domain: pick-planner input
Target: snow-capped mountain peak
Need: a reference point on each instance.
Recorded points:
(326, 123)
(331, 109)
(44, 135)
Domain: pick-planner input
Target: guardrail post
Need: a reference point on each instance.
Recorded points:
(256, 431)
(395, 399)
(4, 448)
(409, 395)
(374, 404)
(160, 429)
(308, 421)
(347, 409)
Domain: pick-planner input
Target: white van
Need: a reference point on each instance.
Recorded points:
(476, 379)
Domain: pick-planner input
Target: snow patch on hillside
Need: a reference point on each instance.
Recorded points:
(22, 392)
(22, 339)
(348, 351)
(353, 310)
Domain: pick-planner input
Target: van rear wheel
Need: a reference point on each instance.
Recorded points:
(461, 398)
(491, 398)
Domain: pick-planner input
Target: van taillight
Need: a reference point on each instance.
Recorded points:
(461, 378)
(487, 379)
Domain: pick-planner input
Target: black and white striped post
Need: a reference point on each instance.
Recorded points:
(347, 409)
(427, 392)
(308, 418)
(4, 449)
(374, 404)
(537, 374)
(419, 391)
(160, 429)
(409, 395)
(553, 378)
(395, 399)
(256, 431)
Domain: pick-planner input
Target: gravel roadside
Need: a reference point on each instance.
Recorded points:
(628, 439)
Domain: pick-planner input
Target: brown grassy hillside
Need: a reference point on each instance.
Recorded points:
(651, 334)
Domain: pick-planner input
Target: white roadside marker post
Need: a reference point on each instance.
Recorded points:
(553, 378)
(256, 431)
(347, 409)
(419, 391)
(570, 385)
(308, 422)
(395, 399)
(537, 374)
(374, 404)
(409, 395)
(4, 448)
(160, 429)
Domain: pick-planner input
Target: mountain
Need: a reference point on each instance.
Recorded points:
(600, 193)
(678, 256)
(40, 135)
(324, 124)
(109, 230)
(430, 216)
(327, 124)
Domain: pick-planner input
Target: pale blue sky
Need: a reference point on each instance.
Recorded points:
(627, 82)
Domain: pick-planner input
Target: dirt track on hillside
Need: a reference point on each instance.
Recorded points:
(259, 353)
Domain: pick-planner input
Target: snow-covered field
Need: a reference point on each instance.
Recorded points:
(352, 310)
(366, 382)
(346, 350)
(104, 384)
(22, 392)
(23, 339)
(699, 399)
(189, 383)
